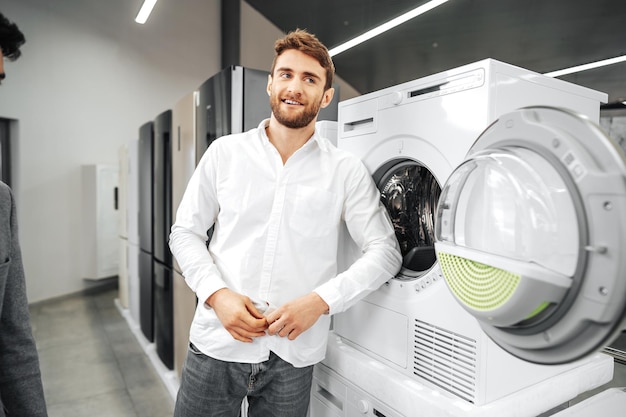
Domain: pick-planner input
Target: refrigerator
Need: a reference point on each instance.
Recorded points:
(145, 214)
(132, 229)
(99, 222)
(183, 165)
(233, 100)
(122, 226)
(162, 222)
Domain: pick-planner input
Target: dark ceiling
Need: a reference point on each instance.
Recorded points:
(540, 35)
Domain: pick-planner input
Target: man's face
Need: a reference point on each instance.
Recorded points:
(296, 89)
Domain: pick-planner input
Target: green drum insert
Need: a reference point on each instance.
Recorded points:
(479, 286)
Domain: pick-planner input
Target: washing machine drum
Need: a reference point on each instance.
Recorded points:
(530, 233)
(409, 192)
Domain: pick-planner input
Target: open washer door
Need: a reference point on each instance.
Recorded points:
(531, 235)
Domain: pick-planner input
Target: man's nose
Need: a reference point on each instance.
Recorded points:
(295, 86)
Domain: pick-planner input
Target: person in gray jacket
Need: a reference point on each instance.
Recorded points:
(21, 389)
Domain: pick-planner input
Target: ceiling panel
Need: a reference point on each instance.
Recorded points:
(540, 35)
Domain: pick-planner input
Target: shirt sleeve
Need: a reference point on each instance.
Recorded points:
(371, 229)
(195, 216)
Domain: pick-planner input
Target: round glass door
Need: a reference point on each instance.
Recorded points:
(530, 235)
(511, 230)
(410, 193)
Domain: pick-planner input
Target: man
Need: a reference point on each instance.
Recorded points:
(11, 39)
(268, 284)
(21, 391)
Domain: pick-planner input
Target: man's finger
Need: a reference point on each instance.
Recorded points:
(253, 310)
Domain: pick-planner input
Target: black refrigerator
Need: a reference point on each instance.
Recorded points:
(145, 214)
(232, 101)
(162, 223)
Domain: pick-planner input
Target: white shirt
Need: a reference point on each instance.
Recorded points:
(276, 237)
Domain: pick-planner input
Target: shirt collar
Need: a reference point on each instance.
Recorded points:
(321, 143)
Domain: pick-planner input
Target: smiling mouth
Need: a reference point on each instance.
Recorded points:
(293, 102)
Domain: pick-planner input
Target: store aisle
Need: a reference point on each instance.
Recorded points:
(91, 363)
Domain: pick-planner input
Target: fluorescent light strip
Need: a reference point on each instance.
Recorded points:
(585, 67)
(145, 11)
(386, 26)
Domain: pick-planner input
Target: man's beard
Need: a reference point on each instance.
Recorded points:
(297, 122)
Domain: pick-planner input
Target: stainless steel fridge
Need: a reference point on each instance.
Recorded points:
(232, 101)
(162, 222)
(145, 214)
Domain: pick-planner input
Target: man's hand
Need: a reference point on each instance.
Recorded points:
(295, 317)
(238, 314)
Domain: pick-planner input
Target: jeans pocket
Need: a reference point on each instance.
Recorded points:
(193, 349)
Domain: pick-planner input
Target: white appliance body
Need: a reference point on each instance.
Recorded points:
(328, 130)
(122, 226)
(132, 227)
(100, 244)
(412, 324)
(351, 383)
(606, 403)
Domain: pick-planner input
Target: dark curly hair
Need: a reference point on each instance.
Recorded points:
(11, 39)
(308, 43)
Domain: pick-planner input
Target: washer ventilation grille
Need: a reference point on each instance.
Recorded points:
(446, 359)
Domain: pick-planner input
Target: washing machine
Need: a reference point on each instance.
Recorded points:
(411, 137)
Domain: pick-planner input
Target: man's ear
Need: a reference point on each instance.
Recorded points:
(269, 84)
(328, 97)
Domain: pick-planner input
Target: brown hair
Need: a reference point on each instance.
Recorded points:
(307, 43)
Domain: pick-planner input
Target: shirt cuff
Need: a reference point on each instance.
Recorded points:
(331, 297)
(207, 288)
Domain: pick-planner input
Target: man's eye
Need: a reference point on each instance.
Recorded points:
(285, 75)
(310, 80)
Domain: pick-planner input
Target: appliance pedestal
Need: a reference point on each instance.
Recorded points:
(349, 383)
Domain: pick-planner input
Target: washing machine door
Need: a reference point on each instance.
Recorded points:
(530, 230)
(409, 191)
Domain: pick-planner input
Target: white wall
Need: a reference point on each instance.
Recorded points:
(88, 77)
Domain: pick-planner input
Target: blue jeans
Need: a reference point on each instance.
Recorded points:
(214, 388)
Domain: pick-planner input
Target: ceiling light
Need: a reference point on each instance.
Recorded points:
(585, 67)
(145, 11)
(386, 26)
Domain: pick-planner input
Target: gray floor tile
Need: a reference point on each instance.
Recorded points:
(112, 404)
(91, 362)
(150, 400)
(79, 371)
(59, 327)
